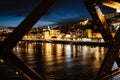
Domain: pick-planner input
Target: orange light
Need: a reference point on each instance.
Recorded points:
(112, 4)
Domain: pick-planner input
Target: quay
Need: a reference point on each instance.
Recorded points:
(74, 42)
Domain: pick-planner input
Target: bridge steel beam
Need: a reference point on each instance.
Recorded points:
(8, 44)
(99, 19)
(112, 4)
(112, 53)
(111, 56)
(117, 35)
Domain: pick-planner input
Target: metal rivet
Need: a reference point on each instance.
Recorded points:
(97, 20)
(117, 42)
(111, 57)
(16, 72)
(94, 4)
(114, 49)
(104, 34)
(114, 40)
(1, 60)
(103, 72)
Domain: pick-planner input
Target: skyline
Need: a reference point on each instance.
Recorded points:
(12, 13)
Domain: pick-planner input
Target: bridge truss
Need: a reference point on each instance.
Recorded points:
(105, 72)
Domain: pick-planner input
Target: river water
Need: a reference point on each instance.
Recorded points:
(62, 61)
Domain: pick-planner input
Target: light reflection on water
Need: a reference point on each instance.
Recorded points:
(61, 61)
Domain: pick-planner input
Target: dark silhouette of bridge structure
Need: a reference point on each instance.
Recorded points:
(105, 72)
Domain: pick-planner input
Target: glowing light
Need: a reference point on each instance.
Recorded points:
(59, 49)
(84, 22)
(1, 60)
(30, 48)
(48, 49)
(89, 33)
(16, 72)
(46, 35)
(118, 10)
(68, 50)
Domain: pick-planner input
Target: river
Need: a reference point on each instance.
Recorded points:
(62, 61)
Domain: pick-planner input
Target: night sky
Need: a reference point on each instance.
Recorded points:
(12, 12)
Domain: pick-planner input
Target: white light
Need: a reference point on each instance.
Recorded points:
(48, 27)
(118, 10)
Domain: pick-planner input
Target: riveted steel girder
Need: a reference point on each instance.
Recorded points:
(99, 20)
(111, 57)
(112, 53)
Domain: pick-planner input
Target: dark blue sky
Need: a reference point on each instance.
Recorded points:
(12, 12)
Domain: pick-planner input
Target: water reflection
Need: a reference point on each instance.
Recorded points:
(61, 61)
(59, 49)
